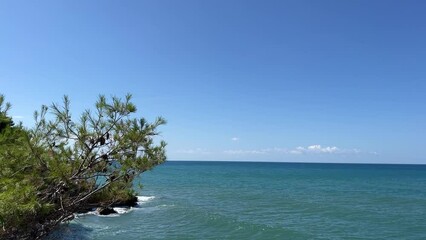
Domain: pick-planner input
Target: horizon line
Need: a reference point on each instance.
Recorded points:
(268, 161)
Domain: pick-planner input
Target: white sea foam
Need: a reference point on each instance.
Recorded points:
(93, 212)
(144, 199)
(119, 210)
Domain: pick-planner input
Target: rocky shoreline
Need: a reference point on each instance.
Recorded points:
(106, 209)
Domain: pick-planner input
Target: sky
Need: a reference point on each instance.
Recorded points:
(290, 81)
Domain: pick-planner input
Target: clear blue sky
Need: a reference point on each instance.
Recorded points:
(317, 81)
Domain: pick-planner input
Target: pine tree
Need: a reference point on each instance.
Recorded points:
(62, 166)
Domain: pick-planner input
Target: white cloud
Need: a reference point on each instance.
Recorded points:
(194, 151)
(18, 117)
(317, 149)
(295, 152)
(244, 152)
(259, 151)
(313, 149)
(235, 139)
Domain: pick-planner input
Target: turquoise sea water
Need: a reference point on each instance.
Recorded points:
(230, 200)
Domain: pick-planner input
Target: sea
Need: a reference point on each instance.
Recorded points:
(259, 200)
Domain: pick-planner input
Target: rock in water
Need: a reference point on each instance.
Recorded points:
(105, 210)
(129, 202)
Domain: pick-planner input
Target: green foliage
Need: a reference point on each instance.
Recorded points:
(5, 121)
(61, 165)
(17, 192)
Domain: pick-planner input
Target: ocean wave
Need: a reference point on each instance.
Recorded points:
(93, 212)
(122, 210)
(119, 210)
(144, 199)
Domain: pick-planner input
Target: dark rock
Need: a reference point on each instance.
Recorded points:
(126, 203)
(133, 202)
(105, 211)
(130, 202)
